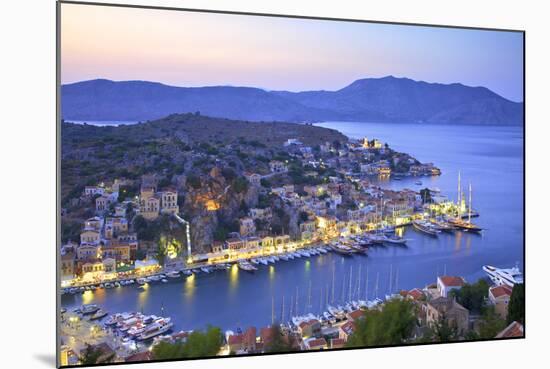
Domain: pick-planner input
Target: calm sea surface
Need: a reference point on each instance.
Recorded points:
(488, 157)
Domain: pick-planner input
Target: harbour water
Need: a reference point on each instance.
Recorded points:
(488, 157)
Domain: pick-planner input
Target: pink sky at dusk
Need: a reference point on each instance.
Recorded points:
(199, 49)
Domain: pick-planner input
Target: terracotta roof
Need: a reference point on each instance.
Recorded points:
(499, 291)
(348, 327)
(416, 293)
(515, 329)
(354, 315)
(236, 339)
(337, 342)
(451, 281)
(318, 342)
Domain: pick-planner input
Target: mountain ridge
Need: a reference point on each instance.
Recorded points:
(387, 99)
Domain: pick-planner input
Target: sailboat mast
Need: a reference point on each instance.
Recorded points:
(391, 273)
(376, 286)
(350, 279)
(367, 286)
(470, 205)
(283, 310)
(272, 310)
(309, 297)
(359, 283)
(397, 280)
(333, 275)
(296, 300)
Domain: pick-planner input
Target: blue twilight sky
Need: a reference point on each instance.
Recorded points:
(200, 49)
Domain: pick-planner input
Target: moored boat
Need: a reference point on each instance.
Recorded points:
(425, 227)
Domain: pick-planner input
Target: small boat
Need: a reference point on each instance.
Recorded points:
(255, 261)
(89, 309)
(263, 261)
(297, 254)
(322, 250)
(396, 240)
(173, 274)
(425, 227)
(206, 270)
(100, 314)
(164, 280)
(246, 266)
(290, 256)
(275, 257)
(271, 259)
(187, 272)
(283, 257)
(304, 253)
(342, 249)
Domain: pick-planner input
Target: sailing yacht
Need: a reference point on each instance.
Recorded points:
(466, 225)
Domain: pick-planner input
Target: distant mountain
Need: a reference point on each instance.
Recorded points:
(387, 99)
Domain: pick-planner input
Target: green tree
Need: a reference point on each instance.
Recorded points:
(92, 355)
(442, 331)
(490, 323)
(472, 296)
(198, 344)
(390, 326)
(516, 307)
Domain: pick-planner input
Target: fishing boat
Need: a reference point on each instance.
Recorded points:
(425, 227)
(255, 261)
(322, 250)
(290, 255)
(283, 257)
(297, 254)
(100, 314)
(187, 272)
(263, 261)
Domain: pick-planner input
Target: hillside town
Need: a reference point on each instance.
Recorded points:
(307, 196)
(247, 204)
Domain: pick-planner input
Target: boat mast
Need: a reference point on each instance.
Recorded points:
(283, 310)
(376, 286)
(391, 273)
(470, 205)
(296, 300)
(359, 283)
(333, 275)
(272, 310)
(367, 286)
(459, 196)
(309, 297)
(397, 280)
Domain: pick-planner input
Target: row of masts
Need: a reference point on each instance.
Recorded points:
(460, 199)
(327, 293)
